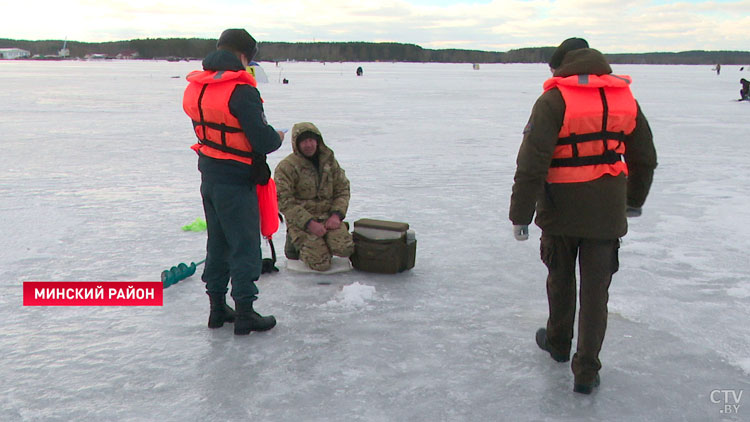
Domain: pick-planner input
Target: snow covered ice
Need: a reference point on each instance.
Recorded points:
(96, 179)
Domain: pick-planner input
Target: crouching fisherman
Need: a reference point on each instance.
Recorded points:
(313, 194)
(233, 140)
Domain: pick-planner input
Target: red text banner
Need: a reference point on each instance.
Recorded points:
(92, 293)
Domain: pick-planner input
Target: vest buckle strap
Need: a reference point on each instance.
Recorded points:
(218, 126)
(224, 148)
(609, 157)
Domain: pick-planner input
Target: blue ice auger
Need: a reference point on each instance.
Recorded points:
(180, 272)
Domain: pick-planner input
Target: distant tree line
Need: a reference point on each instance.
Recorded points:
(370, 52)
(159, 48)
(684, 57)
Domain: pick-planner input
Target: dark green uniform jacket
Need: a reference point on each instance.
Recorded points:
(594, 209)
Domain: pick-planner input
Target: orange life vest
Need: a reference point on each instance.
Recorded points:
(206, 101)
(220, 136)
(600, 112)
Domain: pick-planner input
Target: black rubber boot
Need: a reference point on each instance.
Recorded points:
(541, 341)
(248, 320)
(289, 250)
(587, 388)
(220, 311)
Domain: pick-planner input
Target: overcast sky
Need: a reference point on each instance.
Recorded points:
(611, 26)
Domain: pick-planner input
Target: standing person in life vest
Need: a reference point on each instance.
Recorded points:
(313, 194)
(233, 139)
(585, 164)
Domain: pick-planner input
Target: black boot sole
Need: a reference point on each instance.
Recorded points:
(243, 331)
(218, 318)
(587, 388)
(218, 322)
(541, 341)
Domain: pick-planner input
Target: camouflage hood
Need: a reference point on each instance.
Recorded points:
(300, 128)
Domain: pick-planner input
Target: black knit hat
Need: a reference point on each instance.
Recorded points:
(240, 41)
(568, 45)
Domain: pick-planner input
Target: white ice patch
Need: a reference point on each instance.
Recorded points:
(740, 292)
(745, 365)
(354, 295)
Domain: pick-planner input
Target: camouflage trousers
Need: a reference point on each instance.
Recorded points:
(316, 251)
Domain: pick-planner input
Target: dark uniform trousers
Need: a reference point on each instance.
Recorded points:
(233, 246)
(598, 260)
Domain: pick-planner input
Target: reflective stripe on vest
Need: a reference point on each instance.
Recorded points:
(206, 101)
(600, 112)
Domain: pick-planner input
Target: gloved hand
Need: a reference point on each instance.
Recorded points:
(521, 231)
(632, 211)
(268, 266)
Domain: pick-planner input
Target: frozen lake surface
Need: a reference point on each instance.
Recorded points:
(96, 179)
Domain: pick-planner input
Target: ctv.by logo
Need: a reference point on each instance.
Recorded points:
(729, 399)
